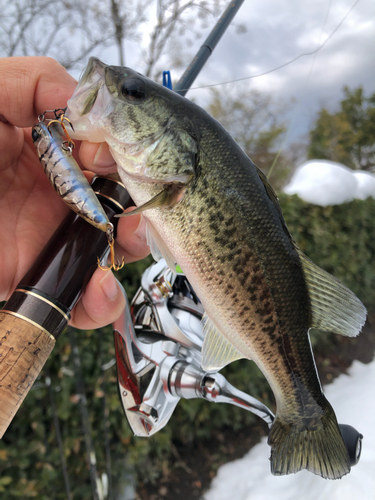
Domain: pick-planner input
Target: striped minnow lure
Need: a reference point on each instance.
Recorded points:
(68, 179)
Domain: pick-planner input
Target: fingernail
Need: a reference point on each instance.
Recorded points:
(140, 232)
(103, 157)
(109, 285)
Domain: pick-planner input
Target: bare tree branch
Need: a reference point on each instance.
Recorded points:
(71, 31)
(174, 16)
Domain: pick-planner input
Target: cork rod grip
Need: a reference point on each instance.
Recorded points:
(24, 348)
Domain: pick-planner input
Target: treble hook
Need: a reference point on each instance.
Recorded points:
(116, 266)
(67, 145)
(56, 113)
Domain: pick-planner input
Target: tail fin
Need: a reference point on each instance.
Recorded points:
(319, 449)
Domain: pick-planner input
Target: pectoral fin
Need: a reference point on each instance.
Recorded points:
(166, 198)
(217, 351)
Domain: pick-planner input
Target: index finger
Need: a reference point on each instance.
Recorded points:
(31, 85)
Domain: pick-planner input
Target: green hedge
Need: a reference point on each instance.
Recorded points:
(341, 239)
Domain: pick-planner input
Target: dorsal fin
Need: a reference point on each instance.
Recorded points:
(270, 191)
(334, 307)
(275, 200)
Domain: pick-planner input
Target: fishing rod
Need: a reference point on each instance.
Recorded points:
(39, 308)
(200, 59)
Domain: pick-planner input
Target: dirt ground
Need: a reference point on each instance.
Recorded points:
(195, 467)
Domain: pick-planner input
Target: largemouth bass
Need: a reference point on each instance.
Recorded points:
(211, 210)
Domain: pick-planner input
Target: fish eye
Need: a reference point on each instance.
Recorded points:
(134, 89)
(35, 135)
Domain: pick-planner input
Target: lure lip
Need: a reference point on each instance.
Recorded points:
(35, 134)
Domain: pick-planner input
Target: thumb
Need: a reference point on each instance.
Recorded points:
(101, 304)
(97, 158)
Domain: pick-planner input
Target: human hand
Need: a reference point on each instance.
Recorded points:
(30, 210)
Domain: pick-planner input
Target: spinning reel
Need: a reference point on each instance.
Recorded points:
(158, 342)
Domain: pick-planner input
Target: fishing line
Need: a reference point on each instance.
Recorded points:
(105, 421)
(305, 54)
(85, 419)
(299, 104)
(287, 63)
(58, 434)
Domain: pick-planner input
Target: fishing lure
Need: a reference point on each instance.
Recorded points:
(55, 154)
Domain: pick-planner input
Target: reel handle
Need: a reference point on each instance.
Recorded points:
(39, 308)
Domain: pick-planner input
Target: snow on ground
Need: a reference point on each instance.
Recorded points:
(352, 397)
(365, 184)
(324, 182)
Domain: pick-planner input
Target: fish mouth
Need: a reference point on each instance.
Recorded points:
(91, 101)
(90, 83)
(93, 66)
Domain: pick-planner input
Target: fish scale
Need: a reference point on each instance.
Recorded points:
(256, 281)
(288, 309)
(210, 210)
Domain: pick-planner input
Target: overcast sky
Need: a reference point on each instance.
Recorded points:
(277, 31)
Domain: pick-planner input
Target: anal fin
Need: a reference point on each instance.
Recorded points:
(217, 351)
(334, 308)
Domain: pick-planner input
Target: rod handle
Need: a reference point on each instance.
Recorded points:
(24, 348)
(39, 308)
